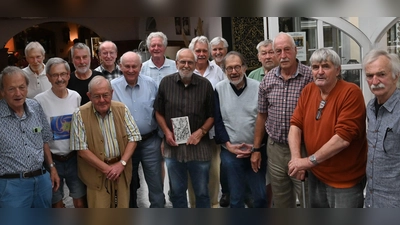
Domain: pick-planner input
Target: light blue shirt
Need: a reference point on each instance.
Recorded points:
(151, 70)
(139, 99)
(383, 165)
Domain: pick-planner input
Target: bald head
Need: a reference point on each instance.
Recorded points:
(131, 64)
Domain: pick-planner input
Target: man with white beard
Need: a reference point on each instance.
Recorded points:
(80, 78)
(185, 94)
(219, 48)
(235, 120)
(201, 48)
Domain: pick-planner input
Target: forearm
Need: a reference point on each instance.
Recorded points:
(129, 150)
(259, 130)
(48, 159)
(92, 160)
(162, 123)
(294, 139)
(335, 145)
(208, 124)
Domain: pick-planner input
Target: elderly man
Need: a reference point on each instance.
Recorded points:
(219, 48)
(80, 78)
(58, 104)
(330, 118)
(383, 165)
(24, 137)
(158, 66)
(277, 98)
(195, 100)
(108, 54)
(266, 56)
(138, 92)
(105, 136)
(234, 127)
(268, 59)
(201, 47)
(38, 82)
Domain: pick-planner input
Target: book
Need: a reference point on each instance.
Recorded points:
(181, 129)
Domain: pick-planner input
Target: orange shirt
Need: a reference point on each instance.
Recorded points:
(344, 114)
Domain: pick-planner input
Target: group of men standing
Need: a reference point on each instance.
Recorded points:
(92, 128)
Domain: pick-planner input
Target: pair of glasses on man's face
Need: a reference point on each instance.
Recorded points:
(319, 112)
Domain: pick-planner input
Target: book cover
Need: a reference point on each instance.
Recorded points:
(181, 129)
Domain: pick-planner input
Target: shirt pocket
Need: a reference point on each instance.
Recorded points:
(391, 141)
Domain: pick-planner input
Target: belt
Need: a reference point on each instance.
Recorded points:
(112, 160)
(148, 135)
(25, 174)
(63, 158)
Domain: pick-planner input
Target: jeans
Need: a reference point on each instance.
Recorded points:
(240, 174)
(33, 192)
(178, 179)
(325, 196)
(68, 170)
(148, 153)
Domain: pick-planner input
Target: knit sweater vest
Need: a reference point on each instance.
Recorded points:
(239, 112)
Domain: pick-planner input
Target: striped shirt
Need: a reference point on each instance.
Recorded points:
(278, 98)
(195, 101)
(22, 138)
(78, 139)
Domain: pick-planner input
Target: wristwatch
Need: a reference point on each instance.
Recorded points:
(255, 149)
(203, 131)
(123, 162)
(52, 164)
(313, 160)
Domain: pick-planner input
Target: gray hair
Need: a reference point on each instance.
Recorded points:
(233, 53)
(157, 34)
(264, 43)
(217, 40)
(34, 45)
(374, 54)
(12, 71)
(325, 55)
(284, 34)
(179, 52)
(96, 81)
(56, 61)
(79, 46)
(121, 59)
(201, 39)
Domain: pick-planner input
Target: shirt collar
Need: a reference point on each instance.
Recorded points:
(193, 81)
(5, 110)
(392, 101)
(152, 65)
(278, 72)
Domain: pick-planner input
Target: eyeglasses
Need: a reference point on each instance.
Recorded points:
(319, 112)
(183, 62)
(104, 96)
(229, 69)
(56, 75)
(108, 53)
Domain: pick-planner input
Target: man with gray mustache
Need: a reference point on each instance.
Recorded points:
(382, 73)
(277, 97)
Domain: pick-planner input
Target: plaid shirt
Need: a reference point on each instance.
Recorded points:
(110, 76)
(278, 98)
